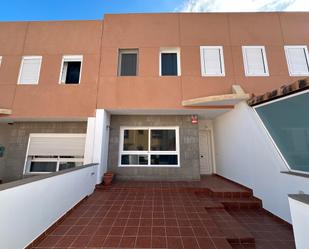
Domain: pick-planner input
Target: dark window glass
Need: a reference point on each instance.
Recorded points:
(169, 64)
(287, 121)
(163, 140)
(43, 166)
(134, 159)
(73, 72)
(69, 165)
(128, 64)
(164, 159)
(135, 140)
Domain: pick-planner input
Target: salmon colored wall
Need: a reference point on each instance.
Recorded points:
(149, 32)
(51, 40)
(101, 87)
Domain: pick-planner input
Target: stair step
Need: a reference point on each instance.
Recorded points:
(233, 231)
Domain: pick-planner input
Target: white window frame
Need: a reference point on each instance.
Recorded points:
(0, 61)
(286, 48)
(203, 72)
(59, 159)
(21, 68)
(269, 135)
(245, 61)
(71, 58)
(170, 50)
(148, 152)
(127, 51)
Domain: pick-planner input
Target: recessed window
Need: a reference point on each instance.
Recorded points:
(29, 72)
(54, 152)
(287, 122)
(170, 62)
(149, 146)
(71, 69)
(297, 59)
(212, 61)
(255, 62)
(127, 62)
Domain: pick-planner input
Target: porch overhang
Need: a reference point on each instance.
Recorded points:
(220, 101)
(4, 111)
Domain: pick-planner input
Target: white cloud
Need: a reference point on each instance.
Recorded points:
(243, 5)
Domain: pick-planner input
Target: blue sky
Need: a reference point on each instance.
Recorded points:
(23, 10)
(79, 9)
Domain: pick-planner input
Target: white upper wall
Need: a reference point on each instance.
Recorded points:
(245, 154)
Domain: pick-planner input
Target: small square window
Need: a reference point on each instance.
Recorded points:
(170, 62)
(127, 62)
(29, 72)
(71, 69)
(212, 61)
(297, 59)
(255, 62)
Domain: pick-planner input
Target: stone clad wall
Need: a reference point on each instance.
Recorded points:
(15, 138)
(189, 148)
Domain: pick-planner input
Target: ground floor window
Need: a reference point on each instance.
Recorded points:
(48, 153)
(149, 146)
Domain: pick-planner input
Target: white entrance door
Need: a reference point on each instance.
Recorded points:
(205, 152)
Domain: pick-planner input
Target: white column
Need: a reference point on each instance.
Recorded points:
(89, 145)
(101, 140)
(300, 219)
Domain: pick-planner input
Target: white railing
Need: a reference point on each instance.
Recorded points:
(30, 206)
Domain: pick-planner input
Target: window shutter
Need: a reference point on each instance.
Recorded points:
(59, 145)
(297, 60)
(30, 70)
(254, 60)
(212, 64)
(128, 64)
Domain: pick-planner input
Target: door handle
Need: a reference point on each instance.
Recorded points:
(202, 156)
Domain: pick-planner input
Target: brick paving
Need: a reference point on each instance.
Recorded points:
(168, 215)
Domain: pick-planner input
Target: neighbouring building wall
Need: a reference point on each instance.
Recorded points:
(245, 154)
(188, 142)
(4, 135)
(16, 141)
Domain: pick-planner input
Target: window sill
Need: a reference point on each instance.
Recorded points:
(295, 174)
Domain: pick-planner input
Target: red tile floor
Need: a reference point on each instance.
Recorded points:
(209, 214)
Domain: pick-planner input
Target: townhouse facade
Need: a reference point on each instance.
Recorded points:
(139, 94)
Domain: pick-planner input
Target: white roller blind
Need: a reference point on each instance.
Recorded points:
(255, 61)
(297, 57)
(56, 145)
(212, 61)
(30, 70)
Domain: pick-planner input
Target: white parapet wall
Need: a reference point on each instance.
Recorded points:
(33, 205)
(299, 205)
(245, 154)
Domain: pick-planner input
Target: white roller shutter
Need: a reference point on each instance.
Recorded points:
(30, 70)
(255, 61)
(212, 61)
(297, 58)
(56, 145)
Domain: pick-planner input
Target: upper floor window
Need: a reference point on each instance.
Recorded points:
(29, 72)
(170, 62)
(255, 62)
(297, 59)
(212, 61)
(71, 68)
(127, 62)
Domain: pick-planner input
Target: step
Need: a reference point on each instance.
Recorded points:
(233, 231)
